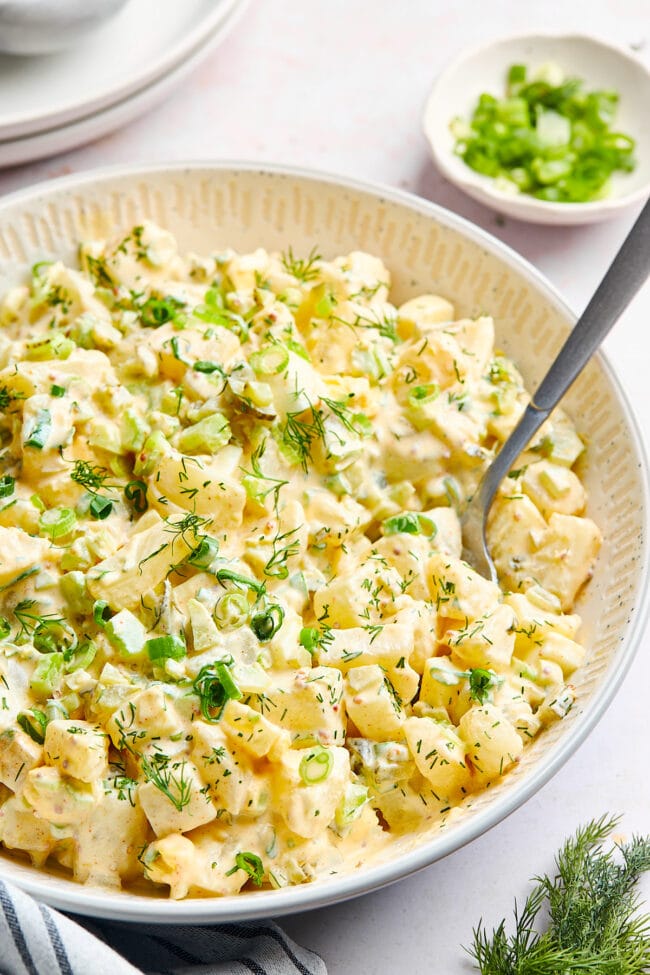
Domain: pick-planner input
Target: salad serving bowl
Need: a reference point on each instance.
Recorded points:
(209, 206)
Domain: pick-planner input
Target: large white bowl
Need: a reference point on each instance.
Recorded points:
(209, 206)
(483, 69)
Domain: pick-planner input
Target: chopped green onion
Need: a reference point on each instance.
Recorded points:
(7, 485)
(57, 391)
(228, 575)
(420, 395)
(310, 638)
(100, 507)
(33, 723)
(267, 623)
(81, 657)
(101, 612)
(52, 635)
(5, 627)
(409, 523)
(316, 765)
(215, 687)
(207, 367)
(270, 360)
(57, 522)
(158, 311)
(231, 611)
(251, 864)
(547, 137)
(39, 431)
(136, 493)
(165, 648)
(204, 554)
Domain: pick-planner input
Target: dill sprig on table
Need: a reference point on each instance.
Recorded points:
(593, 921)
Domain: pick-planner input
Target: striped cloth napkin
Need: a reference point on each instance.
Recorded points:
(36, 940)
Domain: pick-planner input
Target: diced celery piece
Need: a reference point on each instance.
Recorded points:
(127, 634)
(47, 675)
(207, 436)
(153, 450)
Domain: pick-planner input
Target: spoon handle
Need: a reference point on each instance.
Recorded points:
(625, 276)
(628, 271)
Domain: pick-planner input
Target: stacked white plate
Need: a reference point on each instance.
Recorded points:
(52, 103)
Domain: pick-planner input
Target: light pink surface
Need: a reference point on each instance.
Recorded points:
(339, 85)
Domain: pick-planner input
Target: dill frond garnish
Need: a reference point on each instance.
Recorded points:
(594, 926)
(303, 269)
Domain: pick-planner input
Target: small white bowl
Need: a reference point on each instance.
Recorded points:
(484, 69)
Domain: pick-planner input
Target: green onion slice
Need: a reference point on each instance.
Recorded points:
(251, 864)
(57, 522)
(100, 507)
(33, 723)
(40, 429)
(267, 623)
(102, 612)
(204, 554)
(136, 493)
(215, 686)
(7, 485)
(270, 360)
(166, 647)
(231, 611)
(316, 765)
(228, 575)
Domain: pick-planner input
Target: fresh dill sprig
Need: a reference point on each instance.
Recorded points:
(303, 269)
(285, 544)
(299, 432)
(594, 925)
(275, 483)
(30, 621)
(173, 785)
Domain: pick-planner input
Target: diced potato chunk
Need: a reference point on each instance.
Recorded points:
(485, 642)
(56, 798)
(420, 315)
(22, 829)
(20, 551)
(309, 808)
(182, 804)
(251, 732)
(309, 702)
(18, 755)
(439, 754)
(140, 564)
(458, 591)
(552, 487)
(356, 647)
(493, 744)
(233, 780)
(373, 705)
(76, 748)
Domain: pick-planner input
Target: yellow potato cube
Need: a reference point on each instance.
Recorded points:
(373, 705)
(76, 748)
(439, 754)
(492, 743)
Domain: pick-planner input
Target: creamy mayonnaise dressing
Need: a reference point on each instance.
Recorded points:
(239, 645)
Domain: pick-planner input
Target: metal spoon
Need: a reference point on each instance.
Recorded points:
(625, 276)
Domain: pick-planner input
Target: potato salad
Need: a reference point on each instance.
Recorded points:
(239, 647)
